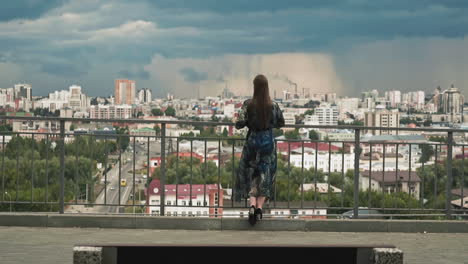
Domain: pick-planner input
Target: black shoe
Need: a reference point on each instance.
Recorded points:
(258, 213)
(252, 215)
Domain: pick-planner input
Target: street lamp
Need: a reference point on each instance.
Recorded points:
(10, 199)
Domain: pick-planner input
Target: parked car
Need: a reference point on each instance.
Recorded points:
(364, 213)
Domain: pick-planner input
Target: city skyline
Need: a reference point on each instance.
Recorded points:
(345, 47)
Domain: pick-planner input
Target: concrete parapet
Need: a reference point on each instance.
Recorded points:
(193, 223)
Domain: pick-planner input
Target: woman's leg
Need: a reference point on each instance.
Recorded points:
(260, 201)
(253, 201)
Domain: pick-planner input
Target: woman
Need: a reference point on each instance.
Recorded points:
(257, 166)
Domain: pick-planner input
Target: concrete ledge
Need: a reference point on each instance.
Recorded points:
(263, 225)
(114, 221)
(346, 226)
(421, 226)
(187, 223)
(23, 219)
(193, 223)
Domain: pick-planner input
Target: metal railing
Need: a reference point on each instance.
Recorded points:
(391, 181)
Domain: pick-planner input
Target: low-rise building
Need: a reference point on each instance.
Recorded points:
(391, 181)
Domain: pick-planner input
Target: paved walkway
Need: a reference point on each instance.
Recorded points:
(54, 245)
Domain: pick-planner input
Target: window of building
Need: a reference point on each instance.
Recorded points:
(282, 212)
(168, 203)
(198, 203)
(276, 213)
(184, 213)
(198, 213)
(175, 213)
(184, 202)
(190, 213)
(168, 213)
(205, 213)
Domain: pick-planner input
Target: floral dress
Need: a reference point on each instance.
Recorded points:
(257, 167)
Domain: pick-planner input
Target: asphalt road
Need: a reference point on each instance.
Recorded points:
(110, 195)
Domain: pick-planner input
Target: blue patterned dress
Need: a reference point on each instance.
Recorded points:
(257, 167)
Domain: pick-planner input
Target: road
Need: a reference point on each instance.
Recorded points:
(110, 195)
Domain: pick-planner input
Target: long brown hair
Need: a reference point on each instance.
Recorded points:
(261, 101)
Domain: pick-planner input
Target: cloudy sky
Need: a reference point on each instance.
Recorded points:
(179, 46)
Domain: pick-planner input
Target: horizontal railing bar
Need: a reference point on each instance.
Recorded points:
(141, 121)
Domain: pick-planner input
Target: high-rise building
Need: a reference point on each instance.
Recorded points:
(452, 101)
(77, 99)
(23, 91)
(124, 92)
(144, 96)
(394, 97)
(382, 118)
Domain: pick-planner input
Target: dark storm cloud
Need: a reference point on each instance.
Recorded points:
(245, 6)
(102, 38)
(28, 9)
(68, 70)
(128, 74)
(191, 75)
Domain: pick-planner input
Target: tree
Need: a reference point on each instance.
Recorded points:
(438, 139)
(157, 129)
(170, 111)
(312, 104)
(277, 132)
(313, 135)
(427, 153)
(157, 112)
(6, 127)
(407, 120)
(354, 123)
(225, 132)
(293, 134)
(309, 112)
(427, 123)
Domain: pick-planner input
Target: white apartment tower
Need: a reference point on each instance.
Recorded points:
(394, 97)
(144, 96)
(327, 115)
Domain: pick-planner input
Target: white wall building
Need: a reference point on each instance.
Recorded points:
(323, 162)
(382, 119)
(110, 111)
(348, 105)
(327, 115)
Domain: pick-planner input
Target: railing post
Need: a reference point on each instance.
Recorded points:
(449, 175)
(62, 165)
(163, 168)
(357, 153)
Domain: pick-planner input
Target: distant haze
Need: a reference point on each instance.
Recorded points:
(345, 46)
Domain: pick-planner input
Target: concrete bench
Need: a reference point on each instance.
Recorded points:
(117, 254)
